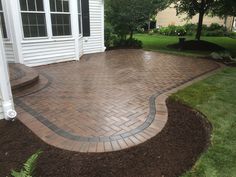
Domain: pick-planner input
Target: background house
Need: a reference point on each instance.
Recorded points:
(168, 17)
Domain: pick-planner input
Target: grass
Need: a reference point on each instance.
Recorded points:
(215, 97)
(159, 43)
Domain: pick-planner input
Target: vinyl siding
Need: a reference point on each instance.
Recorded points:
(81, 47)
(9, 51)
(93, 43)
(46, 52)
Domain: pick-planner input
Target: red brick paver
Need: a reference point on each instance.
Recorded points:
(108, 101)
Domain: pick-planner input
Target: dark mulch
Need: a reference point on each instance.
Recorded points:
(169, 154)
(197, 45)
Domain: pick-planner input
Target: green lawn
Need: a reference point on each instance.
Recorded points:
(215, 97)
(159, 43)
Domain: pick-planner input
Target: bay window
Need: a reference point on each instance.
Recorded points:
(60, 17)
(33, 18)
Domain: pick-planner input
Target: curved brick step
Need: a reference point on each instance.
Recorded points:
(22, 77)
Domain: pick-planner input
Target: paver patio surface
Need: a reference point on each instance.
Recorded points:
(106, 101)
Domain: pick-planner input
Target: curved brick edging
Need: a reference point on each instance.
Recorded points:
(154, 123)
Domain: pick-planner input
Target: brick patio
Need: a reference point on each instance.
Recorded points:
(108, 101)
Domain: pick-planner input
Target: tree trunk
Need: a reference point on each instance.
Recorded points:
(200, 20)
(131, 34)
(149, 25)
(232, 27)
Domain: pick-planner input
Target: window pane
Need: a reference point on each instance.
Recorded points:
(32, 19)
(26, 31)
(23, 5)
(54, 30)
(4, 31)
(79, 6)
(41, 19)
(59, 20)
(80, 28)
(66, 19)
(61, 24)
(67, 30)
(0, 4)
(25, 19)
(34, 31)
(59, 5)
(39, 5)
(34, 25)
(60, 30)
(66, 6)
(31, 5)
(52, 5)
(42, 31)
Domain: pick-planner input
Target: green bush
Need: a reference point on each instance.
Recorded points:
(109, 36)
(128, 43)
(156, 30)
(29, 166)
(190, 29)
(173, 30)
(216, 27)
(215, 33)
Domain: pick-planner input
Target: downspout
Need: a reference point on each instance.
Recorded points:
(5, 87)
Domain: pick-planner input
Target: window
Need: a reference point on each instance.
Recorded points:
(80, 16)
(85, 17)
(4, 31)
(33, 18)
(60, 17)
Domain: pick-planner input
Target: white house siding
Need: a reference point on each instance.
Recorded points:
(1, 110)
(94, 43)
(9, 51)
(81, 46)
(48, 51)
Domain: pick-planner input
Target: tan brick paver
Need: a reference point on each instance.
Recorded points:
(107, 101)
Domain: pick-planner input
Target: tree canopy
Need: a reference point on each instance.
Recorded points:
(127, 15)
(219, 8)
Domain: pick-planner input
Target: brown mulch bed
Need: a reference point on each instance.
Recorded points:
(169, 154)
(197, 45)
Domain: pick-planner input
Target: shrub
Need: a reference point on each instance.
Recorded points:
(180, 31)
(216, 27)
(190, 29)
(156, 30)
(173, 30)
(140, 30)
(109, 36)
(128, 43)
(29, 166)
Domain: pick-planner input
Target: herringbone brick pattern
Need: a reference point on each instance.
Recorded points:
(105, 97)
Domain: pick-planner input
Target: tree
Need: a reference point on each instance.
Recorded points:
(127, 15)
(202, 8)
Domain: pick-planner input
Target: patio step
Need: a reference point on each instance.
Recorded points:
(22, 77)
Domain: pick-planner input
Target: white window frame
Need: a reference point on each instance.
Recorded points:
(61, 13)
(34, 12)
(80, 17)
